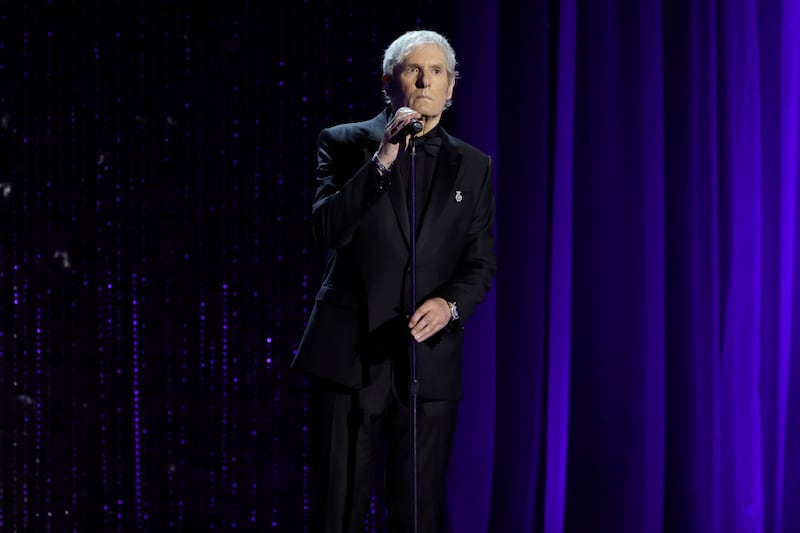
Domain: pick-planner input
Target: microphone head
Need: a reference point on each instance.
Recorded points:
(415, 127)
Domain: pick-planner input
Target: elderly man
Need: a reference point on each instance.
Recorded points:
(356, 344)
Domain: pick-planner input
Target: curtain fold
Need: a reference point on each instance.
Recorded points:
(523, 190)
(560, 273)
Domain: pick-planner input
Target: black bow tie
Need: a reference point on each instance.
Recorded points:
(430, 144)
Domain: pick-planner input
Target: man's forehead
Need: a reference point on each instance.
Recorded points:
(425, 51)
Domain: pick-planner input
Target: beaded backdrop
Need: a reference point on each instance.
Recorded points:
(156, 262)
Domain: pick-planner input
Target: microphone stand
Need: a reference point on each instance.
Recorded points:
(413, 384)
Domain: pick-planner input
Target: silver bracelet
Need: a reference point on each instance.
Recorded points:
(381, 167)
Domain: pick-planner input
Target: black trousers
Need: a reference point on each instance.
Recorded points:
(350, 427)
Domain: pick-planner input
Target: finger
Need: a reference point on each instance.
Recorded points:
(427, 326)
(426, 332)
(421, 317)
(417, 323)
(407, 112)
(420, 333)
(394, 134)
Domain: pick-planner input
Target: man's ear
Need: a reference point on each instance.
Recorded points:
(388, 84)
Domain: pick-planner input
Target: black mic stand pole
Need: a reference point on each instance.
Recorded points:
(413, 384)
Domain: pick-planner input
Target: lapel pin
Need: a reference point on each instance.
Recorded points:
(458, 196)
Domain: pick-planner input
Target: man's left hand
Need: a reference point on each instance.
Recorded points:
(429, 319)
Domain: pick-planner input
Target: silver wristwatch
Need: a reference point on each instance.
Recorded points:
(453, 311)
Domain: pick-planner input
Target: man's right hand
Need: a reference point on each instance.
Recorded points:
(393, 138)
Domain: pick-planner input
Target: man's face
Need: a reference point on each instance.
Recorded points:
(421, 81)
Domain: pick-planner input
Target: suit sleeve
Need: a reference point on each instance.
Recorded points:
(347, 186)
(478, 264)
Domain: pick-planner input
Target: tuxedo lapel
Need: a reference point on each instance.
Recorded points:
(397, 195)
(395, 192)
(442, 187)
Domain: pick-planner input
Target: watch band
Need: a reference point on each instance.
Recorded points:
(453, 311)
(383, 169)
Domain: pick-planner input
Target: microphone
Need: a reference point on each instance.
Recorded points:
(412, 128)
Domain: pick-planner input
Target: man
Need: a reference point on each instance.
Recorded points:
(356, 343)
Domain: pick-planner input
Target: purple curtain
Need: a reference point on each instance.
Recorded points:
(647, 303)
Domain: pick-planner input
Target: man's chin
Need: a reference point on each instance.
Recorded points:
(427, 110)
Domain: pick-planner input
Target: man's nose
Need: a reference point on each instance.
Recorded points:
(422, 80)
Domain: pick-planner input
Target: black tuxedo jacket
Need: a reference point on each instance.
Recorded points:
(360, 313)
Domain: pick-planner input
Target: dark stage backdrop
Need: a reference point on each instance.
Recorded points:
(156, 263)
(636, 370)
